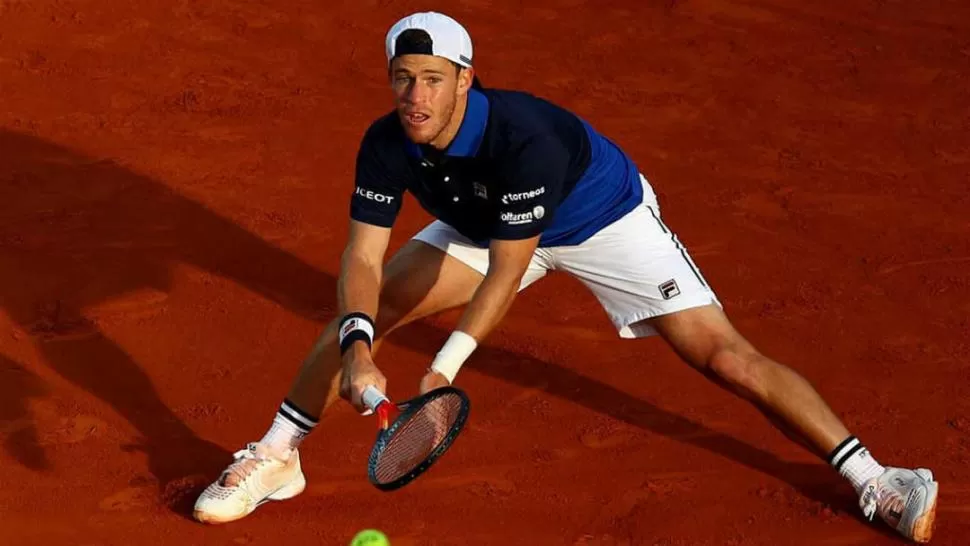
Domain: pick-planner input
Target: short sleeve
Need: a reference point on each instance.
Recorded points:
(379, 179)
(533, 177)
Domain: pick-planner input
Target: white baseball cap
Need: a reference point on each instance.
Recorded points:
(448, 38)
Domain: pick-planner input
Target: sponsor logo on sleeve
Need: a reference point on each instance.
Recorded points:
(517, 218)
(509, 198)
(520, 218)
(373, 196)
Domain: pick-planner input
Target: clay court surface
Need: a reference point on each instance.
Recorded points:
(174, 186)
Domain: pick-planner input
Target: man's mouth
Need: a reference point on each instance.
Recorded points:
(416, 118)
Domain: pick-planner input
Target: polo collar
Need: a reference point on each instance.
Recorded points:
(472, 130)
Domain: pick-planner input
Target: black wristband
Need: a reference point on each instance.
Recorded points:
(355, 327)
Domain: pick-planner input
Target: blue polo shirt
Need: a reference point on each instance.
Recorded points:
(520, 166)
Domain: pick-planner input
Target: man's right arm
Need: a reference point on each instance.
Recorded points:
(375, 203)
(361, 266)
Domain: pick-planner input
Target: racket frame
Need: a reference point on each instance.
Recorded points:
(401, 412)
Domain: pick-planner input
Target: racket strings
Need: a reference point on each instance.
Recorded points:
(416, 438)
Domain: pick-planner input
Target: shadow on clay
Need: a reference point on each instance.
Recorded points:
(17, 387)
(80, 232)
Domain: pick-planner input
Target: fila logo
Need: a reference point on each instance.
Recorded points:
(349, 327)
(669, 289)
(480, 190)
(515, 197)
(373, 196)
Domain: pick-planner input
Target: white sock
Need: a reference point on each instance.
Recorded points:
(290, 426)
(854, 462)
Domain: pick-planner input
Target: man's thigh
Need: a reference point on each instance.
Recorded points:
(437, 270)
(446, 239)
(638, 270)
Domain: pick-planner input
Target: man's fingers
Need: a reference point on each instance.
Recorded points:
(358, 375)
(344, 390)
(360, 386)
(432, 381)
(357, 390)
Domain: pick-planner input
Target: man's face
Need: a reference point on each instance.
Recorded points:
(426, 90)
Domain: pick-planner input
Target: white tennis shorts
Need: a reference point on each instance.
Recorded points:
(636, 267)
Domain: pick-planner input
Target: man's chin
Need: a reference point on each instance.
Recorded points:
(419, 136)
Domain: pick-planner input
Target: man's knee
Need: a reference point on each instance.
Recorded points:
(705, 339)
(392, 313)
(740, 366)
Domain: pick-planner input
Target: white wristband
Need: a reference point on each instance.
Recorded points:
(352, 323)
(453, 354)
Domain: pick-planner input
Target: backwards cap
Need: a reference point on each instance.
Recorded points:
(448, 38)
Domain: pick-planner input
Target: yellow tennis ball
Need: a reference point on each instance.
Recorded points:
(370, 537)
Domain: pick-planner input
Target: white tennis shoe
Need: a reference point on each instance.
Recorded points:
(905, 499)
(258, 475)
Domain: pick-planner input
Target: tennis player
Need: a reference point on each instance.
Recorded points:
(519, 187)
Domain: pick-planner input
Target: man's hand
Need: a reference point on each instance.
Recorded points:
(359, 371)
(433, 380)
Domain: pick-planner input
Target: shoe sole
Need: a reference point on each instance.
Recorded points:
(923, 526)
(288, 491)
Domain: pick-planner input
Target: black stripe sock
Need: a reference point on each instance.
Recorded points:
(290, 426)
(300, 419)
(853, 461)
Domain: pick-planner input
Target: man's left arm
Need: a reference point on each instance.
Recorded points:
(527, 205)
(507, 263)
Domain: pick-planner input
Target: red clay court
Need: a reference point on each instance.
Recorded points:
(174, 186)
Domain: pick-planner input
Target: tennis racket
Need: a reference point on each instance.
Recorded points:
(412, 435)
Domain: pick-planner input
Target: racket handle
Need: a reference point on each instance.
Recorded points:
(372, 397)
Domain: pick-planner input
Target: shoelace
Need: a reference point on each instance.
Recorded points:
(875, 492)
(868, 501)
(247, 460)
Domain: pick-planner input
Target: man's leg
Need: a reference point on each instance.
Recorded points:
(439, 270)
(648, 284)
(705, 338)
(419, 281)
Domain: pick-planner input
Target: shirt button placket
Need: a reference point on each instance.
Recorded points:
(455, 197)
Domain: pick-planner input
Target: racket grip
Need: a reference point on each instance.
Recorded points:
(372, 397)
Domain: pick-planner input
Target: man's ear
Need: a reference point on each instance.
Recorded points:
(466, 76)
